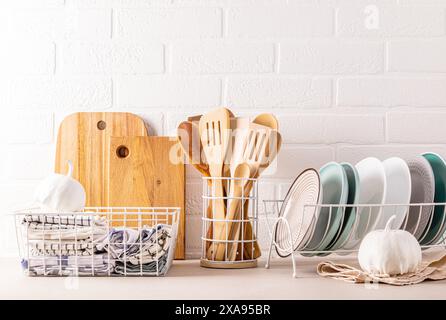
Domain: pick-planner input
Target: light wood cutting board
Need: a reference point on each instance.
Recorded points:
(141, 173)
(83, 139)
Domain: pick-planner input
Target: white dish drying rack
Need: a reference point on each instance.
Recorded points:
(272, 211)
(66, 243)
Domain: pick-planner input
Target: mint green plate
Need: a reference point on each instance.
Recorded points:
(349, 212)
(334, 191)
(436, 227)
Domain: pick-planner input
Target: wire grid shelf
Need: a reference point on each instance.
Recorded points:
(229, 223)
(99, 241)
(366, 218)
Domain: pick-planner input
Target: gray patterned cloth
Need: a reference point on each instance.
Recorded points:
(146, 250)
(94, 265)
(61, 248)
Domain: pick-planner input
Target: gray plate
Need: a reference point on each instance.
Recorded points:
(423, 191)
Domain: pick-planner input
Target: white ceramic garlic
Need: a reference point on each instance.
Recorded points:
(389, 252)
(60, 193)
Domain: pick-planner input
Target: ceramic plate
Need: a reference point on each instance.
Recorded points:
(397, 192)
(423, 190)
(350, 212)
(372, 184)
(334, 191)
(305, 190)
(434, 231)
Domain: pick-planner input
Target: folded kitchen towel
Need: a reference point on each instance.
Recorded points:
(432, 268)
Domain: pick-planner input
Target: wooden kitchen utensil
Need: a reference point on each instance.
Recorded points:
(214, 130)
(238, 185)
(274, 148)
(270, 121)
(83, 139)
(189, 139)
(147, 172)
(254, 154)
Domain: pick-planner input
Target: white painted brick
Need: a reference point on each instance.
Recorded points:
(32, 162)
(168, 91)
(416, 127)
(27, 127)
(392, 21)
(424, 2)
(333, 127)
(331, 57)
(417, 55)
(56, 92)
(354, 154)
(291, 160)
(117, 3)
(222, 57)
(229, 2)
(266, 191)
(16, 196)
(275, 92)
(167, 22)
(27, 57)
(112, 58)
(194, 202)
(193, 232)
(280, 21)
(31, 4)
(392, 91)
(61, 23)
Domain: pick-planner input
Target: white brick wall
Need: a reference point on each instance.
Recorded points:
(347, 79)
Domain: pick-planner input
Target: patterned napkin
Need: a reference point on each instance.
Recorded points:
(432, 268)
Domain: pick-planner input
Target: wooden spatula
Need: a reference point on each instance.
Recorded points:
(214, 129)
(254, 154)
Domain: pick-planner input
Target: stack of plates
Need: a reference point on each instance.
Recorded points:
(335, 207)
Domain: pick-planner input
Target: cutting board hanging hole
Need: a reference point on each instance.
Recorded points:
(122, 152)
(102, 125)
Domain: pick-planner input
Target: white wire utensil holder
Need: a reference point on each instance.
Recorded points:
(99, 241)
(279, 224)
(229, 242)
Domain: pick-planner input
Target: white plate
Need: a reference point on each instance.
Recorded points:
(398, 192)
(305, 190)
(372, 184)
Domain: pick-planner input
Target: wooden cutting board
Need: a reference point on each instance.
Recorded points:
(83, 139)
(147, 172)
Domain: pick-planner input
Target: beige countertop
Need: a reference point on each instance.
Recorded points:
(187, 280)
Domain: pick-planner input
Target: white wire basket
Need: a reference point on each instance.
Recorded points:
(229, 231)
(99, 241)
(280, 228)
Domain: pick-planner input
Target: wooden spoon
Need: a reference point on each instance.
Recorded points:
(242, 172)
(214, 133)
(267, 120)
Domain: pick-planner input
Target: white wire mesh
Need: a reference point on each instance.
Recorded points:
(282, 235)
(100, 241)
(242, 247)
